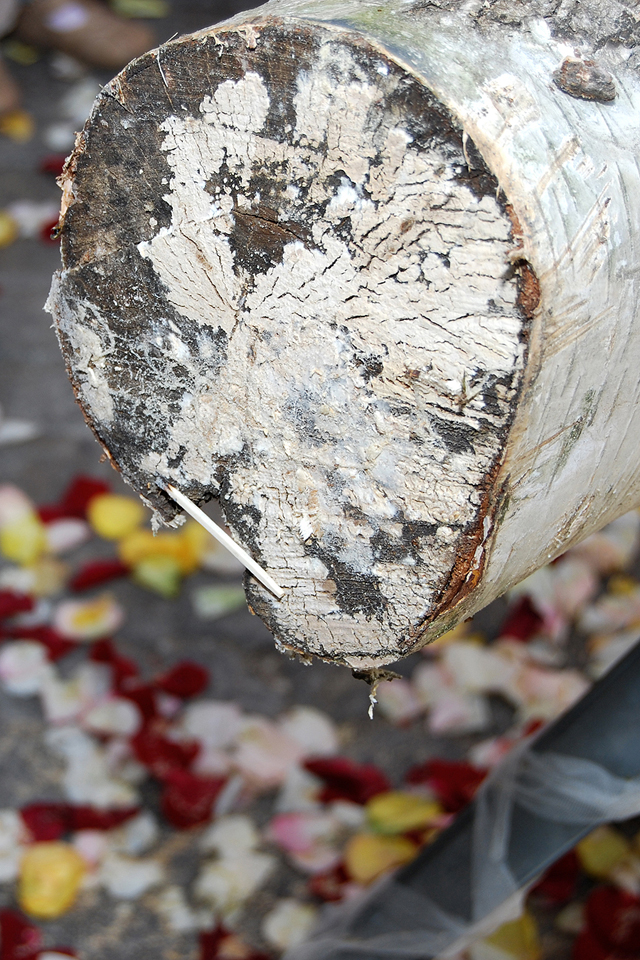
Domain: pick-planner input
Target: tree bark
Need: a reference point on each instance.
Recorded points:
(368, 273)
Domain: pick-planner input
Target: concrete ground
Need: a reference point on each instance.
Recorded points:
(238, 650)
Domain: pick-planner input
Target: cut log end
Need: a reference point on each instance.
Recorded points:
(289, 283)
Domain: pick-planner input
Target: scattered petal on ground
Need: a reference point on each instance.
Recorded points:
(288, 923)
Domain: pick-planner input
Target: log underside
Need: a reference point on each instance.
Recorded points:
(289, 282)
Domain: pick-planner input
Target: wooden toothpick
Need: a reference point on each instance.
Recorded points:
(223, 538)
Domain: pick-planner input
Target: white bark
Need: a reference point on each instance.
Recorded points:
(406, 425)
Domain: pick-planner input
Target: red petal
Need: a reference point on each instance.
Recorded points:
(558, 883)
(161, 755)
(613, 916)
(210, 941)
(46, 821)
(50, 821)
(19, 939)
(454, 783)
(330, 886)
(52, 163)
(88, 818)
(142, 694)
(523, 621)
(81, 490)
(346, 780)
(50, 512)
(12, 603)
(587, 947)
(187, 800)
(186, 679)
(98, 572)
(49, 233)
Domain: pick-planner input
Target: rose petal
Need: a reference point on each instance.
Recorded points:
(312, 729)
(346, 780)
(613, 916)
(37, 894)
(265, 753)
(453, 782)
(113, 516)
(126, 878)
(185, 679)
(12, 603)
(115, 716)
(78, 495)
(20, 939)
(601, 851)
(213, 723)
(66, 534)
(288, 923)
(522, 621)
(230, 835)
(226, 884)
(559, 881)
(458, 712)
(96, 573)
(160, 754)
(187, 800)
(24, 668)
(88, 620)
(398, 702)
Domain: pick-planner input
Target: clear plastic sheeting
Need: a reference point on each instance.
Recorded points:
(395, 920)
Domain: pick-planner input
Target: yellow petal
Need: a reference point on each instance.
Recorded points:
(516, 940)
(142, 544)
(49, 879)
(22, 53)
(17, 125)
(199, 541)
(146, 9)
(8, 229)
(621, 584)
(161, 574)
(368, 855)
(398, 812)
(24, 539)
(113, 516)
(601, 850)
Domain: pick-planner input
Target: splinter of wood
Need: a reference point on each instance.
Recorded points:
(224, 539)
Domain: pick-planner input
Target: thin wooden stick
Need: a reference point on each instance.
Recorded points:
(224, 539)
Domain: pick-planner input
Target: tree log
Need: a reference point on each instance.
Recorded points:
(368, 273)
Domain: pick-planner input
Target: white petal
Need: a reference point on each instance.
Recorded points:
(127, 879)
(114, 716)
(227, 883)
(314, 731)
(66, 534)
(213, 722)
(231, 836)
(24, 667)
(289, 923)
